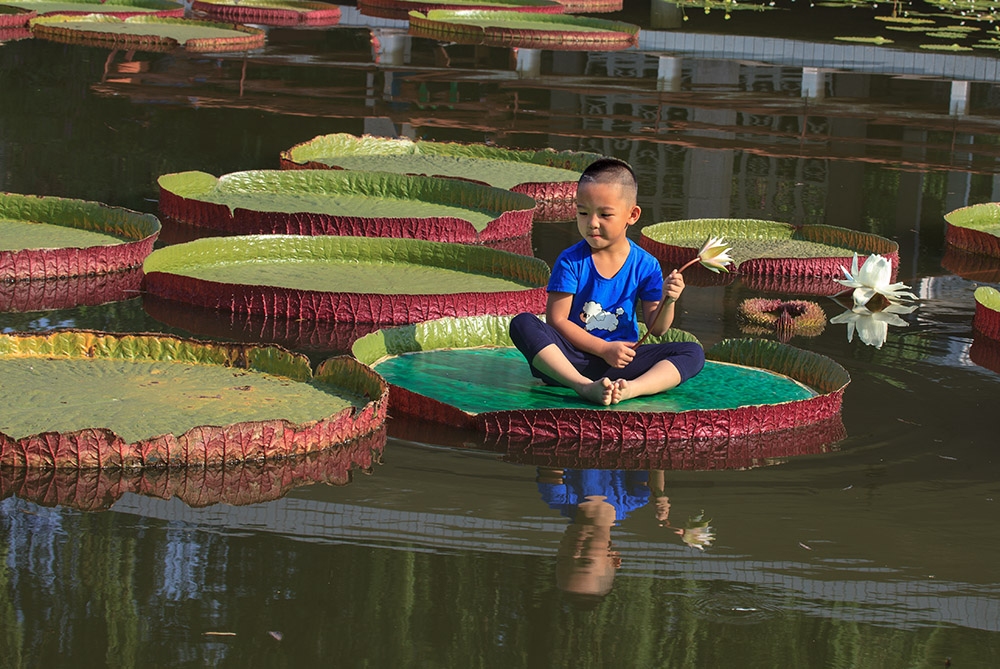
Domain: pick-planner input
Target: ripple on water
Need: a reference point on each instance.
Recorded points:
(738, 605)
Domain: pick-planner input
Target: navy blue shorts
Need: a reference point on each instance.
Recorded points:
(530, 335)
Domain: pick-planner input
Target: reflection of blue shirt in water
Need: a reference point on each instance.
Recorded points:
(626, 491)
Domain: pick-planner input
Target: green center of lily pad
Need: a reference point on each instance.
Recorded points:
(747, 249)
(180, 31)
(498, 173)
(16, 235)
(54, 7)
(350, 277)
(231, 194)
(498, 379)
(138, 399)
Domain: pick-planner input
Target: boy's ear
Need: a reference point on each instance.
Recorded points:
(634, 214)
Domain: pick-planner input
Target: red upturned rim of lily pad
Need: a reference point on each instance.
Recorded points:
(236, 484)
(975, 228)
(555, 200)
(271, 12)
(656, 239)
(69, 292)
(256, 441)
(15, 17)
(441, 24)
(573, 424)
(179, 200)
(48, 27)
(163, 278)
(139, 229)
(987, 317)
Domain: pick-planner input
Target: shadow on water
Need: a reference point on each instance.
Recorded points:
(872, 548)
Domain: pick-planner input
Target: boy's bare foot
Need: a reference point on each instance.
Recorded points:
(622, 391)
(598, 392)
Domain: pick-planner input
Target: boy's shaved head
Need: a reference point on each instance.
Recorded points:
(612, 171)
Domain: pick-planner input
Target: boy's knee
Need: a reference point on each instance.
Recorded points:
(691, 360)
(520, 329)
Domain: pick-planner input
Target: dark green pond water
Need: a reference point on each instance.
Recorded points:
(877, 550)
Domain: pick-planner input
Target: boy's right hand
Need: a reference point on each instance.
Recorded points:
(618, 353)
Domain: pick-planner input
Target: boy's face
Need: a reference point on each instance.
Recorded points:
(603, 214)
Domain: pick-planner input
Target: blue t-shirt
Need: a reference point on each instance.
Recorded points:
(626, 491)
(606, 307)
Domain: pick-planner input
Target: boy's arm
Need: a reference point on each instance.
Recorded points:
(615, 353)
(673, 286)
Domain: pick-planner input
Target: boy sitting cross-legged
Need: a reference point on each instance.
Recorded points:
(588, 340)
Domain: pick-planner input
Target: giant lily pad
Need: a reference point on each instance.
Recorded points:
(237, 484)
(400, 9)
(271, 12)
(148, 33)
(119, 8)
(975, 228)
(518, 29)
(767, 248)
(987, 318)
(337, 202)
(76, 399)
(48, 237)
(465, 372)
(548, 176)
(346, 279)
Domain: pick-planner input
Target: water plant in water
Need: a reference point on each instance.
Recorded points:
(873, 278)
(785, 318)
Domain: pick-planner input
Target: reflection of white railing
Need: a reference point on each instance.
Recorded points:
(899, 601)
(817, 56)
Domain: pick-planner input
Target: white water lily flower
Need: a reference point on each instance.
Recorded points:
(714, 255)
(872, 326)
(873, 279)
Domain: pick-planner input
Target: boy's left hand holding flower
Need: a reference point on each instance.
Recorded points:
(673, 286)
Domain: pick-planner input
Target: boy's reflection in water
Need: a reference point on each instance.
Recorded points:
(594, 500)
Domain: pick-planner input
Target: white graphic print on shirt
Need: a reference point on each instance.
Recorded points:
(594, 317)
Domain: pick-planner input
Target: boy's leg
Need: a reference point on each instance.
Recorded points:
(555, 360)
(656, 368)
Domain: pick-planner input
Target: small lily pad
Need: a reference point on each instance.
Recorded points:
(866, 40)
(945, 47)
